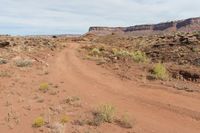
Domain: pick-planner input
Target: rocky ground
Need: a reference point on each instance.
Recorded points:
(96, 84)
(32, 100)
(179, 52)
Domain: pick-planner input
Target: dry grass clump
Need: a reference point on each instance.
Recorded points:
(71, 100)
(160, 72)
(95, 52)
(107, 114)
(104, 113)
(137, 56)
(5, 74)
(57, 128)
(3, 61)
(124, 122)
(23, 62)
(120, 53)
(65, 119)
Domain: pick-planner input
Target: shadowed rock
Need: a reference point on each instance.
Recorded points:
(4, 44)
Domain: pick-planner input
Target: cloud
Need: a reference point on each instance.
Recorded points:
(76, 16)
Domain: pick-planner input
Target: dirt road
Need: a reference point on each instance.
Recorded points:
(154, 110)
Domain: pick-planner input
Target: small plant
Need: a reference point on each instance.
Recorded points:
(71, 100)
(160, 72)
(95, 52)
(46, 72)
(23, 62)
(125, 122)
(139, 56)
(105, 113)
(38, 122)
(81, 122)
(57, 127)
(119, 53)
(65, 119)
(195, 50)
(4, 74)
(3, 61)
(44, 87)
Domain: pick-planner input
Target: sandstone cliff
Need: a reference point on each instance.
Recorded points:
(187, 25)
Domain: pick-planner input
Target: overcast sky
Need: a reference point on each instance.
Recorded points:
(23, 17)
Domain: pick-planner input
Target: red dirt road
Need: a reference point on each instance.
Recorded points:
(154, 110)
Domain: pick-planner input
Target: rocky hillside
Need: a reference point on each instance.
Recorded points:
(187, 25)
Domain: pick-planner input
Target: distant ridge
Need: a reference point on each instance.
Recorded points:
(55, 35)
(186, 25)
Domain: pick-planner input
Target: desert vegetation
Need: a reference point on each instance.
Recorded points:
(3, 61)
(160, 71)
(57, 84)
(65, 119)
(108, 114)
(113, 49)
(38, 122)
(5, 74)
(44, 87)
(23, 62)
(104, 113)
(125, 121)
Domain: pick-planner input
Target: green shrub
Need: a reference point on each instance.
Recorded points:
(95, 52)
(119, 53)
(44, 87)
(139, 56)
(160, 72)
(38, 122)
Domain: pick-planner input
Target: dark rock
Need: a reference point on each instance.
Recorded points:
(163, 26)
(196, 62)
(189, 76)
(54, 36)
(156, 46)
(139, 28)
(4, 44)
(184, 40)
(172, 44)
(183, 23)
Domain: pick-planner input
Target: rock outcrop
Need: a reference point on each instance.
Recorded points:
(107, 30)
(4, 44)
(187, 25)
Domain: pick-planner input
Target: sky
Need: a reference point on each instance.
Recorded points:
(30, 17)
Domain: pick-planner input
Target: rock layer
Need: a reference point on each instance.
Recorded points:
(187, 25)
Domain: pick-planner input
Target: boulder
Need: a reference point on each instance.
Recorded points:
(4, 44)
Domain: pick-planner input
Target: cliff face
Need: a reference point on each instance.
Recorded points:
(187, 25)
(106, 30)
